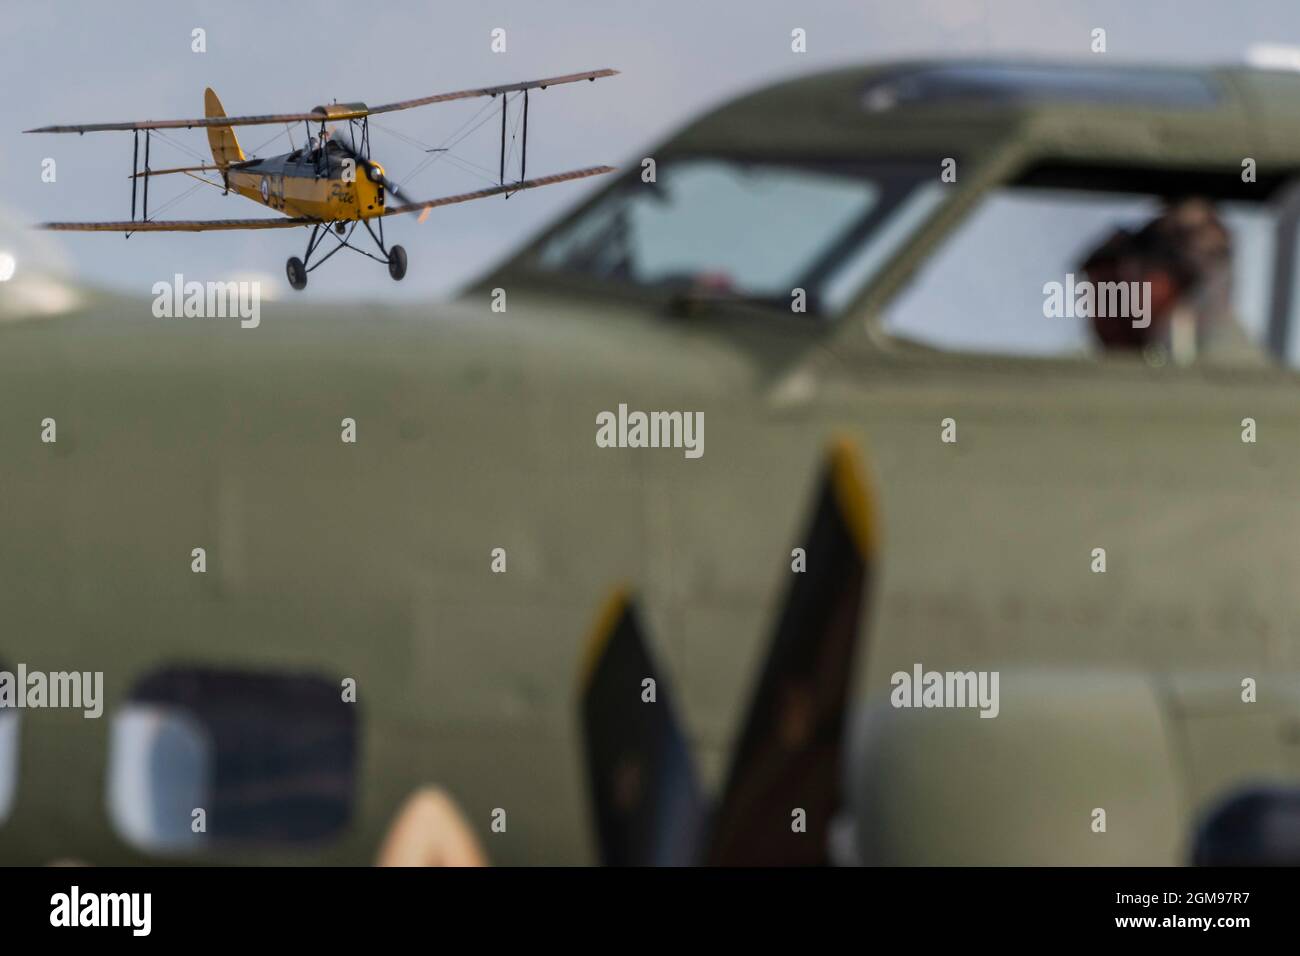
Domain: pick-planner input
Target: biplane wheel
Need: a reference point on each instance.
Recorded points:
(397, 262)
(297, 272)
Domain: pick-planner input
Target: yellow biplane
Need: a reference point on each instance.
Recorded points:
(318, 185)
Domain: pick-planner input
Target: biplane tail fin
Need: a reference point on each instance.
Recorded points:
(225, 147)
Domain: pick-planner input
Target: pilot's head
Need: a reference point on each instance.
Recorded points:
(1185, 254)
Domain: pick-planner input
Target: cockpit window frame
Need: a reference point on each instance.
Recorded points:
(919, 170)
(1028, 169)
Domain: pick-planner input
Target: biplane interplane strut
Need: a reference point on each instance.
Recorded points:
(331, 184)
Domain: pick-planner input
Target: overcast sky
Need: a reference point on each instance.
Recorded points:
(68, 61)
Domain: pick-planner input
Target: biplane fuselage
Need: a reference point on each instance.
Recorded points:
(321, 184)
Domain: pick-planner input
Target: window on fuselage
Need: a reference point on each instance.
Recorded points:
(9, 735)
(269, 758)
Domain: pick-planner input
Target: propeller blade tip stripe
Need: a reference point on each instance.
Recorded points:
(853, 494)
(606, 621)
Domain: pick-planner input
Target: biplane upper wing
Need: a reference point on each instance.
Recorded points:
(499, 190)
(129, 125)
(325, 113)
(178, 225)
(491, 90)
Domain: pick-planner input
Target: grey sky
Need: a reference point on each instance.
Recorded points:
(89, 61)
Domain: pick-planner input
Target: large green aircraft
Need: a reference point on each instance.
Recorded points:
(494, 591)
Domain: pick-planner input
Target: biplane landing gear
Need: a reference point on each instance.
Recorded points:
(341, 232)
(297, 273)
(397, 262)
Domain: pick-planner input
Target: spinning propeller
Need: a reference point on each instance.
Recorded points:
(373, 169)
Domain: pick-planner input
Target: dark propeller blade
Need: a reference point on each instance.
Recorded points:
(783, 790)
(788, 760)
(372, 169)
(649, 807)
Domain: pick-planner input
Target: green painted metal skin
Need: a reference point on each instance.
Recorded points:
(476, 431)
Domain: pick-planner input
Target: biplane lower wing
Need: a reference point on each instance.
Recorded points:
(500, 190)
(216, 225)
(179, 225)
